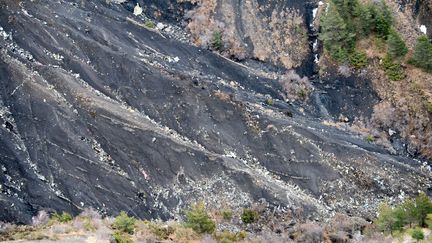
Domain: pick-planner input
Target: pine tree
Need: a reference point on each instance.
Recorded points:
(386, 219)
(422, 56)
(334, 34)
(423, 207)
(396, 46)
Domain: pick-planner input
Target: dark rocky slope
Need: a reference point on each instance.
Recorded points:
(98, 111)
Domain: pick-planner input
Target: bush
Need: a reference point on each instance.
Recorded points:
(269, 101)
(249, 216)
(198, 219)
(370, 138)
(217, 40)
(393, 70)
(417, 234)
(42, 218)
(64, 217)
(428, 106)
(161, 231)
(124, 223)
(121, 237)
(149, 24)
(227, 214)
(428, 221)
(229, 237)
(358, 59)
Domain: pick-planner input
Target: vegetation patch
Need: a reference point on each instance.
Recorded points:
(198, 219)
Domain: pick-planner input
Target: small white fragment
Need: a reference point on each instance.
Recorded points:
(391, 132)
(160, 26)
(423, 29)
(320, 3)
(137, 10)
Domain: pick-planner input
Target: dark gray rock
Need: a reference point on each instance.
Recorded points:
(94, 112)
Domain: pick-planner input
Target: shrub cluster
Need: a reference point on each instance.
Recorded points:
(347, 21)
(63, 217)
(198, 219)
(249, 216)
(124, 223)
(410, 212)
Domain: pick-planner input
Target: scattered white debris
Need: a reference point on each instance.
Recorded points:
(315, 45)
(423, 29)
(316, 59)
(137, 10)
(173, 59)
(160, 26)
(320, 3)
(391, 132)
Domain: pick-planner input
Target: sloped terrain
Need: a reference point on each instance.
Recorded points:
(99, 111)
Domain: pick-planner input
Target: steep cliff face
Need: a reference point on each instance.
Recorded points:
(98, 110)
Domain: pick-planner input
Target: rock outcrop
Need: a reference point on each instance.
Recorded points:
(98, 110)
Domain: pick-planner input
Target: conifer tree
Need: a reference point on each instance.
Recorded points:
(396, 46)
(422, 56)
(334, 33)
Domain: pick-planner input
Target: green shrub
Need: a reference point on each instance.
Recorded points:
(227, 214)
(428, 105)
(229, 237)
(64, 217)
(249, 216)
(429, 221)
(393, 70)
(198, 219)
(340, 55)
(370, 138)
(161, 231)
(301, 93)
(422, 56)
(358, 59)
(149, 24)
(269, 101)
(124, 223)
(120, 237)
(217, 40)
(417, 234)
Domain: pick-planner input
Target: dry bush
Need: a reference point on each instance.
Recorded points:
(91, 213)
(295, 87)
(309, 232)
(344, 70)
(345, 223)
(6, 227)
(383, 115)
(40, 219)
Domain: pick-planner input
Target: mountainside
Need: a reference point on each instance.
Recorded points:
(100, 109)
